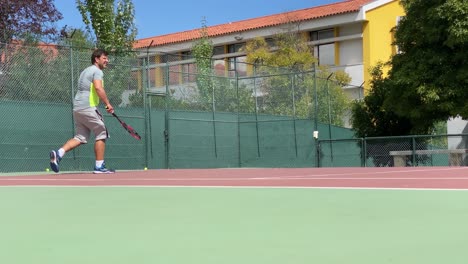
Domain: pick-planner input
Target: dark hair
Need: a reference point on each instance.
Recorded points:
(98, 53)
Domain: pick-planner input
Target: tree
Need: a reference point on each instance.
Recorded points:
(33, 17)
(370, 118)
(113, 26)
(202, 51)
(289, 51)
(38, 74)
(430, 75)
(290, 62)
(76, 38)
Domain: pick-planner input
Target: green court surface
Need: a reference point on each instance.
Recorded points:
(142, 225)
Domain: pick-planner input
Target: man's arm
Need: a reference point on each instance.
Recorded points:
(102, 95)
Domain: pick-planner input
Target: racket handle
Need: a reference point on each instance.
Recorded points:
(108, 108)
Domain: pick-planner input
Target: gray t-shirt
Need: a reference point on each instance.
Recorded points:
(86, 97)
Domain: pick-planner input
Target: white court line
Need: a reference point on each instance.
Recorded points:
(239, 187)
(229, 179)
(374, 172)
(429, 169)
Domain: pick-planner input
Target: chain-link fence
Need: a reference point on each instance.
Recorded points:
(237, 114)
(233, 114)
(427, 150)
(37, 86)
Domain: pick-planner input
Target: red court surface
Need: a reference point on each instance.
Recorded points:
(405, 177)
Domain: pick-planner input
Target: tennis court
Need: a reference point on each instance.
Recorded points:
(304, 215)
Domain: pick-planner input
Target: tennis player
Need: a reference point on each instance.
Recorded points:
(86, 116)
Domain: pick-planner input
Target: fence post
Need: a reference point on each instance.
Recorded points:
(329, 117)
(238, 121)
(317, 158)
(364, 151)
(256, 108)
(72, 82)
(166, 117)
(145, 106)
(213, 115)
(293, 78)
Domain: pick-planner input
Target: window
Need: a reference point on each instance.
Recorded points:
(219, 67)
(186, 55)
(396, 49)
(270, 42)
(151, 77)
(233, 48)
(147, 60)
(218, 50)
(188, 72)
(164, 58)
(324, 52)
(237, 64)
(322, 34)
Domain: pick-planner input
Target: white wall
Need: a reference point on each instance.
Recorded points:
(457, 126)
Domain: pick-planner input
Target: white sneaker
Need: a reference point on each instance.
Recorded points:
(103, 169)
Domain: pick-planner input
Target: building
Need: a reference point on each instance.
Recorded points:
(350, 35)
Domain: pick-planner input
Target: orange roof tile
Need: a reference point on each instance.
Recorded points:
(52, 50)
(256, 23)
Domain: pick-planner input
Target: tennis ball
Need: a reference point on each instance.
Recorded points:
(145, 168)
(47, 169)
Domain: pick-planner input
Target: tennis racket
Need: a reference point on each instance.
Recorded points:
(129, 129)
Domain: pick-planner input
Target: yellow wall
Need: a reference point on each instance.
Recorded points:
(158, 72)
(377, 36)
(337, 47)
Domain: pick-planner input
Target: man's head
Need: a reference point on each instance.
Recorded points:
(100, 59)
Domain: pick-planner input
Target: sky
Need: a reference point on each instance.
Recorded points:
(160, 17)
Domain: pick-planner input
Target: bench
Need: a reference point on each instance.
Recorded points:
(455, 159)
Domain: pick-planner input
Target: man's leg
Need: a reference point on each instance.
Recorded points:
(100, 132)
(56, 156)
(100, 149)
(71, 144)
